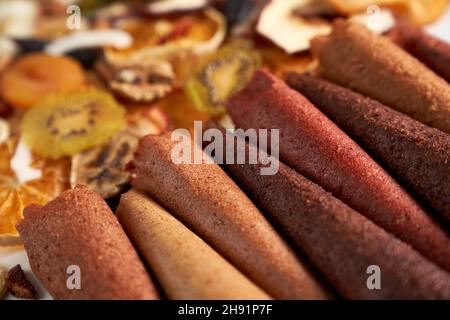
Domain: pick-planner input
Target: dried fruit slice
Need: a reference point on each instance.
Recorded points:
(14, 196)
(141, 82)
(357, 6)
(220, 76)
(418, 11)
(426, 11)
(36, 75)
(163, 37)
(102, 168)
(70, 123)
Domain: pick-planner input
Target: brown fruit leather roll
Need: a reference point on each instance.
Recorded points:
(209, 203)
(314, 146)
(79, 229)
(340, 242)
(416, 153)
(185, 266)
(433, 52)
(371, 64)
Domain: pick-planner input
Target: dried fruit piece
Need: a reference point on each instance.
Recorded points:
(3, 274)
(14, 195)
(102, 168)
(18, 284)
(164, 37)
(170, 6)
(4, 131)
(145, 81)
(357, 6)
(426, 11)
(291, 32)
(220, 76)
(69, 123)
(35, 76)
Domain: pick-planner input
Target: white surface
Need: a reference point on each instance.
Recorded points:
(11, 256)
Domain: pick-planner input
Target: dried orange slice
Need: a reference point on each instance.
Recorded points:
(14, 196)
(357, 6)
(426, 11)
(34, 76)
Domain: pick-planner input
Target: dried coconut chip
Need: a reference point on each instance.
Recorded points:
(116, 38)
(167, 6)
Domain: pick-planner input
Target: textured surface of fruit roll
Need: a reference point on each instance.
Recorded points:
(433, 52)
(78, 230)
(418, 154)
(314, 146)
(186, 266)
(340, 242)
(355, 57)
(208, 202)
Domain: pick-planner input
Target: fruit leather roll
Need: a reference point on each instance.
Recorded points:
(208, 202)
(185, 265)
(340, 242)
(419, 155)
(431, 51)
(314, 146)
(373, 65)
(77, 234)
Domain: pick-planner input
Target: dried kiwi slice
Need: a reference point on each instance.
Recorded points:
(65, 124)
(220, 76)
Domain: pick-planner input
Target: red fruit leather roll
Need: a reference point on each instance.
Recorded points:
(357, 58)
(79, 229)
(433, 52)
(314, 146)
(340, 242)
(416, 153)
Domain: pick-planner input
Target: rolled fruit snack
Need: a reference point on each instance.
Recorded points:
(78, 232)
(434, 52)
(186, 266)
(371, 64)
(340, 242)
(209, 203)
(416, 153)
(314, 146)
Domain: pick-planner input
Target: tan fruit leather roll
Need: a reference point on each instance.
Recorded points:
(79, 229)
(186, 267)
(373, 65)
(208, 202)
(314, 146)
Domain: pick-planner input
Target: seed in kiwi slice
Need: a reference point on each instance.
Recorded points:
(220, 76)
(66, 124)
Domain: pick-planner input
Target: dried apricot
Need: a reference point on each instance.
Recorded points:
(66, 124)
(34, 76)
